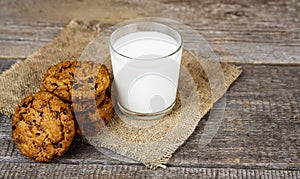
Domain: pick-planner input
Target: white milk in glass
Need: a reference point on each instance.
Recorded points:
(147, 81)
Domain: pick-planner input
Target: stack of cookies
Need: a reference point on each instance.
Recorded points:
(73, 94)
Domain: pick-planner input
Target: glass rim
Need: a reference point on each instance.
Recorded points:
(149, 22)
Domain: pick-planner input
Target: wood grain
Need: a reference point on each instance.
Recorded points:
(260, 128)
(34, 170)
(238, 31)
(6, 64)
(18, 40)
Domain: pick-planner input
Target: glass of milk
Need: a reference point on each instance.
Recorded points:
(146, 59)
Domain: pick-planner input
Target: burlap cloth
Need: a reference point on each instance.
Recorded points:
(152, 145)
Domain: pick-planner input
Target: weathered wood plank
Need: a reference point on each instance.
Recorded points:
(53, 170)
(261, 124)
(18, 40)
(257, 53)
(22, 40)
(6, 64)
(57, 11)
(113, 11)
(239, 31)
(260, 128)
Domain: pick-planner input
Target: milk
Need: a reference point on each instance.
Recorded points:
(146, 82)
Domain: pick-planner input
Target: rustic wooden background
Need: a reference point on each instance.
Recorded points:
(260, 134)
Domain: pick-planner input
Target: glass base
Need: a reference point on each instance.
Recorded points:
(146, 116)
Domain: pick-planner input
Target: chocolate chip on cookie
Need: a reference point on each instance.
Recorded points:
(59, 79)
(43, 126)
(90, 82)
(93, 118)
(105, 109)
(77, 80)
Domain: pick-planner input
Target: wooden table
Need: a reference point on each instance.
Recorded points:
(260, 134)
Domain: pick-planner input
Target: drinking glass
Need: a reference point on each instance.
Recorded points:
(145, 59)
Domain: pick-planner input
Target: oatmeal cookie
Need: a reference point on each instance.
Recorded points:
(43, 126)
